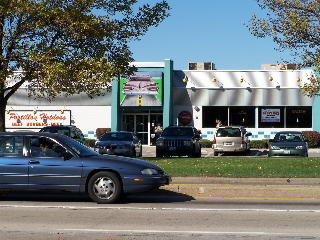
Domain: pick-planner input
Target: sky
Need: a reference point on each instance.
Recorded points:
(208, 31)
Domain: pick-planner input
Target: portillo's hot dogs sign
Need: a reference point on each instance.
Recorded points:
(37, 118)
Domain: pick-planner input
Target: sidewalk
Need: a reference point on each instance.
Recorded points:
(247, 188)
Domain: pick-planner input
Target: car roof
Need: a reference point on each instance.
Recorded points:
(180, 127)
(62, 126)
(284, 132)
(231, 127)
(119, 132)
(29, 133)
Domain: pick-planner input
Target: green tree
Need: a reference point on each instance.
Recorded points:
(293, 25)
(65, 47)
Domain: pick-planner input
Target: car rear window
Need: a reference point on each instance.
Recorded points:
(291, 137)
(228, 132)
(117, 137)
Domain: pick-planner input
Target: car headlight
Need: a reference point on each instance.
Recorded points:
(149, 171)
(274, 147)
(187, 143)
(300, 147)
(160, 143)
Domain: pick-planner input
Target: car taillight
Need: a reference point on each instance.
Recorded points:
(214, 140)
(242, 142)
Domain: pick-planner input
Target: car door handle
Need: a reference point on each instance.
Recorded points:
(34, 162)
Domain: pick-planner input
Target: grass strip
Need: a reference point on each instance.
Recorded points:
(240, 167)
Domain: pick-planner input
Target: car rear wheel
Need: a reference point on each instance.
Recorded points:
(158, 153)
(104, 187)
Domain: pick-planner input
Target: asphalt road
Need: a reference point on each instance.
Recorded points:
(158, 215)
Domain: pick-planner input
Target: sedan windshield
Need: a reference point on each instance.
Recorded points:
(117, 137)
(288, 137)
(188, 132)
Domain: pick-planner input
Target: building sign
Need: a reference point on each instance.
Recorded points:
(141, 89)
(37, 119)
(270, 115)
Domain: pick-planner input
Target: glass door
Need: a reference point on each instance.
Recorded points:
(156, 121)
(142, 127)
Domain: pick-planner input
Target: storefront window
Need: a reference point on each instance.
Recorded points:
(210, 114)
(299, 117)
(271, 117)
(242, 116)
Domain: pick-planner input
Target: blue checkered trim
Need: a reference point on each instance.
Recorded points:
(90, 134)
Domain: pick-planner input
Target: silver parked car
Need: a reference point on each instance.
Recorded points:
(231, 139)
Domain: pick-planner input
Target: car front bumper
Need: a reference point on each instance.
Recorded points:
(284, 152)
(142, 183)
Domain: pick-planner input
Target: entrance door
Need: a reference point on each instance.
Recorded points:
(143, 124)
(142, 128)
(155, 121)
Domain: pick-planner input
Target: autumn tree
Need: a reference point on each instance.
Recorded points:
(293, 25)
(65, 47)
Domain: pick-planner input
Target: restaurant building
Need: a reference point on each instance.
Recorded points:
(264, 101)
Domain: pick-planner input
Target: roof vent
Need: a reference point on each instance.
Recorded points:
(201, 66)
(287, 66)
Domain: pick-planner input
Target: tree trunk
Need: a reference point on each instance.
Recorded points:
(3, 105)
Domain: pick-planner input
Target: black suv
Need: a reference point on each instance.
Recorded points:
(68, 130)
(179, 141)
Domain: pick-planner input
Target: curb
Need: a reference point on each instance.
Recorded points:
(305, 189)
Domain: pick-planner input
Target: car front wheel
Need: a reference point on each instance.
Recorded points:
(104, 187)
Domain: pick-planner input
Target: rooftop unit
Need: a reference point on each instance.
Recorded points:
(201, 66)
(282, 66)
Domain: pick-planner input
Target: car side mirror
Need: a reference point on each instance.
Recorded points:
(197, 136)
(248, 134)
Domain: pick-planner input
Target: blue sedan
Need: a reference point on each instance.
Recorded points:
(31, 161)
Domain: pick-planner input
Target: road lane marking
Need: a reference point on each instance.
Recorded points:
(163, 208)
(183, 232)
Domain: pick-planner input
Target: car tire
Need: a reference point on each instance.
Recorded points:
(105, 187)
(133, 152)
(158, 153)
(215, 153)
(140, 154)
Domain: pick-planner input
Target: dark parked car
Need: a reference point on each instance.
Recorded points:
(68, 130)
(179, 141)
(119, 143)
(288, 143)
(67, 165)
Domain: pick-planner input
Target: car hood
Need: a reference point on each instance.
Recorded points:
(108, 143)
(105, 160)
(175, 138)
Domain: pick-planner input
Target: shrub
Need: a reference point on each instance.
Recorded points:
(259, 144)
(89, 142)
(205, 143)
(101, 131)
(313, 137)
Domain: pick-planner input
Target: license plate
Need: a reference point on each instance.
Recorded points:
(228, 144)
(286, 151)
(172, 148)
